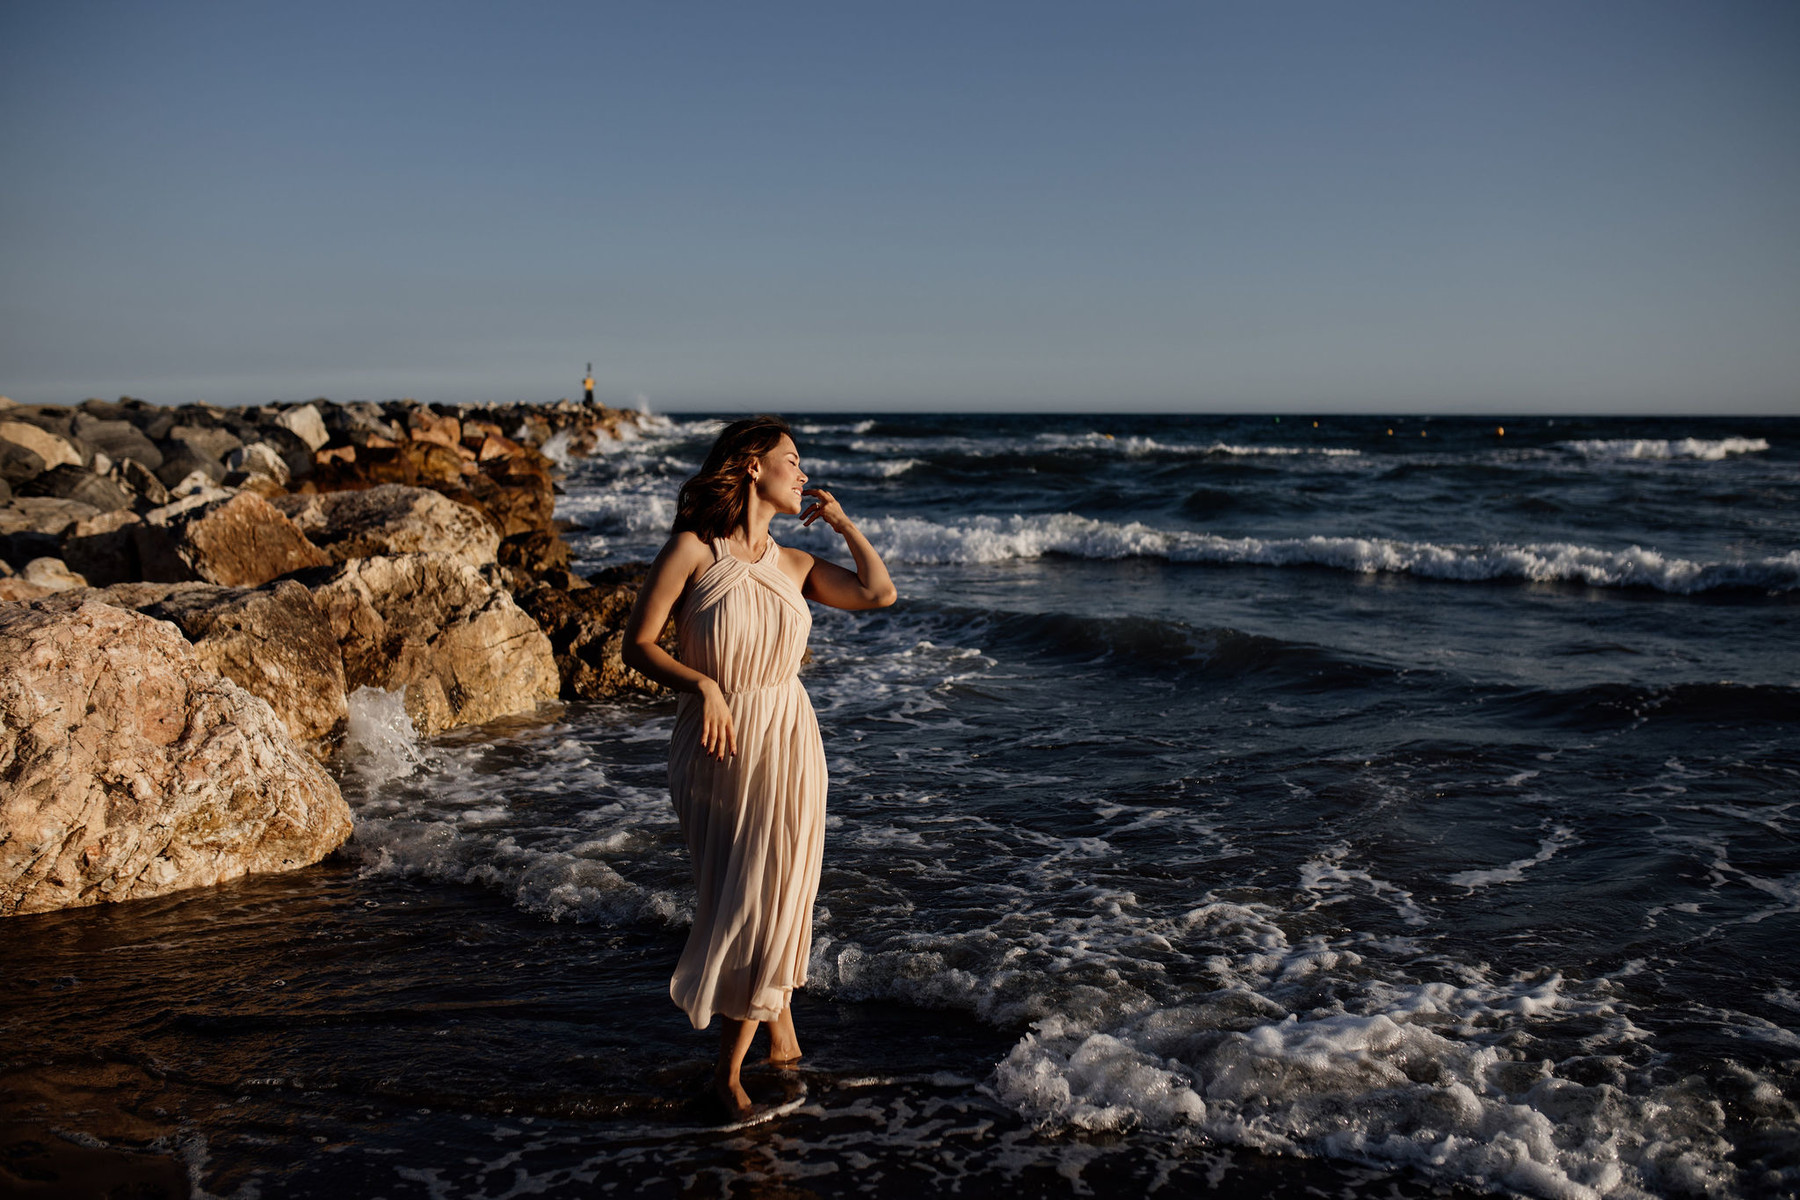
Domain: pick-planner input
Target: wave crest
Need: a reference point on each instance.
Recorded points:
(983, 539)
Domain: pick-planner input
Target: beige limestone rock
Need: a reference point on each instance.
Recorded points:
(130, 770)
(52, 449)
(274, 642)
(392, 519)
(242, 541)
(442, 630)
(306, 422)
(259, 458)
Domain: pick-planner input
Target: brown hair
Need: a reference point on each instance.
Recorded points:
(712, 502)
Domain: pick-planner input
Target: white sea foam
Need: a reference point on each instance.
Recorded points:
(380, 744)
(1129, 446)
(995, 539)
(435, 813)
(1703, 449)
(1514, 871)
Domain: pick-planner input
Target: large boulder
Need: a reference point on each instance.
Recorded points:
(240, 541)
(443, 631)
(391, 519)
(131, 770)
(274, 642)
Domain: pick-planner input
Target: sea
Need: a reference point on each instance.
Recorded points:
(1350, 806)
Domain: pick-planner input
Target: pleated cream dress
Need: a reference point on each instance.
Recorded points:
(755, 823)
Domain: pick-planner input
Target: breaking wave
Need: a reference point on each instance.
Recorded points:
(995, 539)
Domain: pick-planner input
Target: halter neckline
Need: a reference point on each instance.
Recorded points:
(722, 550)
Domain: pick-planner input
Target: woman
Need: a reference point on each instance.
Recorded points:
(746, 767)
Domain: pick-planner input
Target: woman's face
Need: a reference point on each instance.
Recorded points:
(779, 479)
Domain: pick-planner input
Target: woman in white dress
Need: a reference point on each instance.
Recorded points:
(746, 766)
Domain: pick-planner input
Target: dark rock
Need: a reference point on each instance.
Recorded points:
(79, 484)
(102, 549)
(292, 448)
(142, 482)
(181, 459)
(126, 408)
(535, 551)
(19, 463)
(586, 630)
(212, 441)
(118, 440)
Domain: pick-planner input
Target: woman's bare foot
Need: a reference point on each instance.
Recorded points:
(731, 1094)
(784, 1044)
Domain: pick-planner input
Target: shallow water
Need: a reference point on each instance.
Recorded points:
(1226, 805)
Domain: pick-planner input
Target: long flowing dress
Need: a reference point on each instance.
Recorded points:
(754, 823)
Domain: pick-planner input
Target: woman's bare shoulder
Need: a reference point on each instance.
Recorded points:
(682, 556)
(796, 564)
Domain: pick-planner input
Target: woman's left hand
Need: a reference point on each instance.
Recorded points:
(824, 507)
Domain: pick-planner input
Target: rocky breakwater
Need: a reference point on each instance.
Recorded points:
(287, 556)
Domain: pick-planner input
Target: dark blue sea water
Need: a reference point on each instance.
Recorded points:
(1381, 806)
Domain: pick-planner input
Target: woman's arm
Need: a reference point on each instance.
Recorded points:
(669, 574)
(830, 584)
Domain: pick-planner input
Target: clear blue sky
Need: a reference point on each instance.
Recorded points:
(1438, 206)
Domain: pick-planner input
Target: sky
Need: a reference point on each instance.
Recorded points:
(1446, 206)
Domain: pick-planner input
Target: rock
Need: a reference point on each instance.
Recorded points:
(128, 408)
(274, 642)
(391, 519)
(102, 549)
(415, 464)
(51, 573)
(33, 526)
(118, 440)
(494, 446)
(440, 629)
(6, 491)
(181, 459)
(358, 416)
(242, 541)
(19, 463)
(68, 482)
(536, 552)
(210, 441)
(586, 630)
(305, 423)
(41, 577)
(142, 483)
(258, 458)
(134, 771)
(294, 452)
(53, 449)
(429, 427)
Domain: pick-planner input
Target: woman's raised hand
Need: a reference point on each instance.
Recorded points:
(718, 737)
(824, 507)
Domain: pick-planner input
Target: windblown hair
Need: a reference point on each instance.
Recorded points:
(712, 502)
